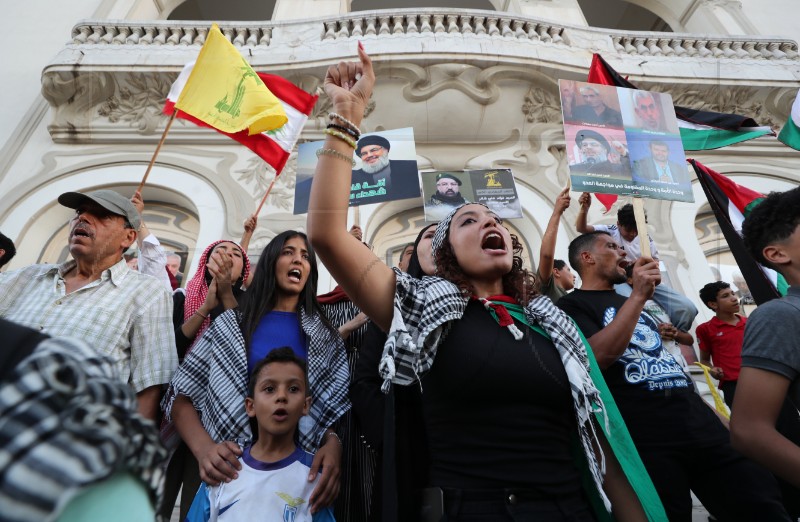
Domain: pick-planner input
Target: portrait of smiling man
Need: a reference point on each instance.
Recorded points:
(95, 296)
(398, 177)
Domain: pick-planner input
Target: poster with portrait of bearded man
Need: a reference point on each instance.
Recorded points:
(385, 169)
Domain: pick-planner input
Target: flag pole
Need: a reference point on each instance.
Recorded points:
(264, 199)
(641, 226)
(356, 216)
(158, 148)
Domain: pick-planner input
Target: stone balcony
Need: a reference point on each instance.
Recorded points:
(108, 83)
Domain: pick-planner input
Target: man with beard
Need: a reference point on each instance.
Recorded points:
(682, 443)
(379, 178)
(658, 167)
(595, 110)
(448, 192)
(122, 313)
(599, 157)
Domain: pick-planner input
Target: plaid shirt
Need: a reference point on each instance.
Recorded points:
(125, 315)
(424, 310)
(214, 377)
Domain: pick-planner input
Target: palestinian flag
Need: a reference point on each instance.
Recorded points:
(790, 134)
(732, 203)
(700, 130)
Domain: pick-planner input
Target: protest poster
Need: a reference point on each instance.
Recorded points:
(445, 190)
(386, 169)
(623, 141)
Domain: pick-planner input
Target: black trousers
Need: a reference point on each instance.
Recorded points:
(729, 390)
(513, 506)
(731, 487)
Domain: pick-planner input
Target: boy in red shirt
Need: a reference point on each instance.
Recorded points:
(720, 339)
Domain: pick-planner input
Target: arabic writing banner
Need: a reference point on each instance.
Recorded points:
(445, 190)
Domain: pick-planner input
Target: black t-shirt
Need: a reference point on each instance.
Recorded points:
(498, 412)
(650, 388)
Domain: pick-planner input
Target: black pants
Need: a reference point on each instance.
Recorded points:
(513, 506)
(729, 389)
(731, 487)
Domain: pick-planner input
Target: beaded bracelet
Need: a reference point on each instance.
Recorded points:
(336, 154)
(342, 136)
(348, 130)
(344, 120)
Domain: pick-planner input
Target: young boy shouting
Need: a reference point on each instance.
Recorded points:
(273, 482)
(720, 339)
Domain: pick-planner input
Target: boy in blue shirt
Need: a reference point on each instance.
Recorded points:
(273, 482)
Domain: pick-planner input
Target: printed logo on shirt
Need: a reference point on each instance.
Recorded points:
(645, 360)
(226, 508)
(291, 506)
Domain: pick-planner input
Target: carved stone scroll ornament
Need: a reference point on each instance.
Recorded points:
(138, 101)
(73, 95)
(256, 177)
(541, 105)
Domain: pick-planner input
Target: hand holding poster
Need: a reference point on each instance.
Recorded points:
(443, 191)
(623, 141)
(386, 169)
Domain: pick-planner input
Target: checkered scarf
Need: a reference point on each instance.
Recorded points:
(67, 422)
(197, 288)
(214, 377)
(423, 312)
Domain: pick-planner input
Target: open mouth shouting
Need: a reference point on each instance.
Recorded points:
(295, 275)
(494, 243)
(82, 231)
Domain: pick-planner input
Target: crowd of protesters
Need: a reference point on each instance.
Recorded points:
(457, 386)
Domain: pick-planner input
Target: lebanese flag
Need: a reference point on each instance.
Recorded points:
(700, 130)
(790, 133)
(274, 146)
(732, 203)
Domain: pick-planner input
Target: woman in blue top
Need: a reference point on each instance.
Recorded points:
(206, 396)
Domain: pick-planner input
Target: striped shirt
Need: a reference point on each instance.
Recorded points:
(125, 315)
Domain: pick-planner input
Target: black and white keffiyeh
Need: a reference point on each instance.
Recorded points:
(67, 422)
(214, 377)
(423, 312)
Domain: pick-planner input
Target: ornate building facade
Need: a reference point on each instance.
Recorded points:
(477, 80)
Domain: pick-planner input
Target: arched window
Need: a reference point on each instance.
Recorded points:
(369, 5)
(213, 10)
(619, 14)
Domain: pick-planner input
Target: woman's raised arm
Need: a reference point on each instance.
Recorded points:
(367, 281)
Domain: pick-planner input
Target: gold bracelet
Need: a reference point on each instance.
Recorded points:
(336, 154)
(342, 136)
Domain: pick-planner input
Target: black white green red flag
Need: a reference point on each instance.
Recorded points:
(790, 134)
(731, 204)
(700, 130)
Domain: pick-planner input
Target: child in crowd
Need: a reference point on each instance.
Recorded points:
(272, 484)
(720, 339)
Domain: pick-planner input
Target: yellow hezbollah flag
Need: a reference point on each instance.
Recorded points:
(224, 91)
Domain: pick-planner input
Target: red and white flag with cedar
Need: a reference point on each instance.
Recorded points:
(274, 146)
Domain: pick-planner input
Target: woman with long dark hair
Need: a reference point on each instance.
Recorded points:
(504, 374)
(206, 396)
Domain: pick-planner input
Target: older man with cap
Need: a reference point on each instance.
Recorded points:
(97, 298)
(399, 178)
(447, 196)
(599, 157)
